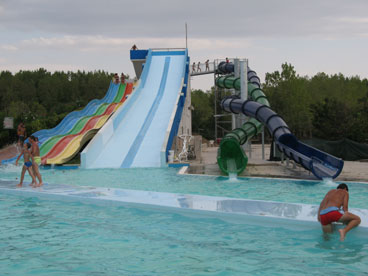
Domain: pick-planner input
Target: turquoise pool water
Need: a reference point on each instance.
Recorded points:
(50, 237)
(167, 180)
(44, 237)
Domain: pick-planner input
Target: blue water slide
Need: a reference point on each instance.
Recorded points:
(68, 122)
(139, 133)
(321, 164)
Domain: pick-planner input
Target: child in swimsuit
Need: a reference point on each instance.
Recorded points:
(28, 159)
(35, 150)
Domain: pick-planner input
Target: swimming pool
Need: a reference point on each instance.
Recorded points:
(167, 180)
(51, 237)
(46, 237)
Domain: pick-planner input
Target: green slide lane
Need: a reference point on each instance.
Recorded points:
(51, 142)
(120, 93)
(230, 156)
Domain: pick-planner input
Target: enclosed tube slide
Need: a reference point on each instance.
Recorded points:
(321, 164)
(230, 156)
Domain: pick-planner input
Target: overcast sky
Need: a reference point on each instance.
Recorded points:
(314, 36)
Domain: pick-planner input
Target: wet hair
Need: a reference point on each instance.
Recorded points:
(28, 145)
(343, 186)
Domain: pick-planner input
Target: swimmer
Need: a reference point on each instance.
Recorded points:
(35, 151)
(28, 159)
(329, 211)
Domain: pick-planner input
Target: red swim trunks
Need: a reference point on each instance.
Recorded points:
(330, 217)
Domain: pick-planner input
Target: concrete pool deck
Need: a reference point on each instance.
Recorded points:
(353, 171)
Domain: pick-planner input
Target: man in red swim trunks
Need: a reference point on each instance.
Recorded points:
(330, 211)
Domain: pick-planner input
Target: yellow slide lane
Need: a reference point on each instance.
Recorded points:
(75, 145)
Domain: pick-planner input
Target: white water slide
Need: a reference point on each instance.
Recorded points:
(137, 134)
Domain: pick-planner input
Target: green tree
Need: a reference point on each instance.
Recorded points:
(202, 114)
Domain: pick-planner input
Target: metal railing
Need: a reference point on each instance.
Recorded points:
(198, 67)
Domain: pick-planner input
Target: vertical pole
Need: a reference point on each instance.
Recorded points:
(237, 117)
(244, 95)
(215, 97)
(263, 149)
(243, 80)
(186, 36)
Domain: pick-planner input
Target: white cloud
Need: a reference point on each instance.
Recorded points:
(51, 42)
(96, 43)
(354, 20)
(8, 47)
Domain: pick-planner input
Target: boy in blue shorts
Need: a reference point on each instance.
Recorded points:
(28, 159)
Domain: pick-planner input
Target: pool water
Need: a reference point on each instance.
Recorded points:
(167, 180)
(44, 237)
(51, 237)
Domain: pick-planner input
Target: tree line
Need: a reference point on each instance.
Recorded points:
(329, 107)
(324, 106)
(41, 99)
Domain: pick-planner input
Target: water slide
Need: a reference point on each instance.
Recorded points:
(61, 148)
(321, 164)
(230, 156)
(69, 121)
(140, 134)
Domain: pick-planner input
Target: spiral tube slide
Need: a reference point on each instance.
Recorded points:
(230, 156)
(321, 164)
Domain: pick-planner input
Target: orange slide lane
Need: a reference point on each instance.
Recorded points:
(93, 124)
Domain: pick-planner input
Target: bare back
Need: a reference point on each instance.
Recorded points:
(338, 198)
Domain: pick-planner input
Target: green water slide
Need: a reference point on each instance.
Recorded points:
(51, 142)
(230, 156)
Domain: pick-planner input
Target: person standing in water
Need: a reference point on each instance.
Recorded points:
(21, 132)
(330, 211)
(28, 159)
(35, 151)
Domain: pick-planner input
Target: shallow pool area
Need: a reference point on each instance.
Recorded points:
(45, 237)
(48, 236)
